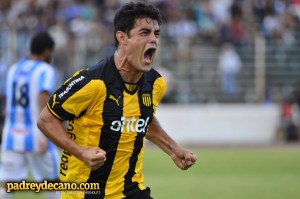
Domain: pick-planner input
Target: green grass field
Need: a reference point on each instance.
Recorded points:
(225, 173)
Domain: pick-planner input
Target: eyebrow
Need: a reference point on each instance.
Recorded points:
(149, 30)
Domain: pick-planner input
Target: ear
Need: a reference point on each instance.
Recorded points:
(46, 51)
(46, 54)
(122, 37)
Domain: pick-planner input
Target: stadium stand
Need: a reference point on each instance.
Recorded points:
(191, 39)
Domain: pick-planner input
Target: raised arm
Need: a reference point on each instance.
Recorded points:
(182, 157)
(53, 129)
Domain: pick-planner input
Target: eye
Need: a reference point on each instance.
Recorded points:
(144, 32)
(157, 34)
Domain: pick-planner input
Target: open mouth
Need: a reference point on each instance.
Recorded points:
(149, 55)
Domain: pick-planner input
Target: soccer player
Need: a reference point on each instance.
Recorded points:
(2, 99)
(24, 147)
(110, 108)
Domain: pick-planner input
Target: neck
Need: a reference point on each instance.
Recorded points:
(37, 57)
(127, 71)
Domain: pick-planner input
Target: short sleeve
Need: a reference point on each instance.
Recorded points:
(159, 89)
(46, 80)
(75, 96)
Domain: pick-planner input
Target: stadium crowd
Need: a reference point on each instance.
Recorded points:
(82, 29)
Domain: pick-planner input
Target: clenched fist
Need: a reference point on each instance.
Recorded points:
(94, 157)
(184, 158)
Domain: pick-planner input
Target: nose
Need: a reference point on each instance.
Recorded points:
(153, 39)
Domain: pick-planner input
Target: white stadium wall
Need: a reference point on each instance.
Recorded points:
(220, 124)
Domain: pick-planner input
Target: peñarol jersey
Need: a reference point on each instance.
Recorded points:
(106, 112)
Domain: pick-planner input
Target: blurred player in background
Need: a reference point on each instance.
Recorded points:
(2, 102)
(110, 108)
(24, 148)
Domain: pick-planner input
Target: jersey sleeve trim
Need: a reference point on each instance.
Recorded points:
(53, 113)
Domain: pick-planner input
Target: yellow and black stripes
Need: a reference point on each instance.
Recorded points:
(113, 115)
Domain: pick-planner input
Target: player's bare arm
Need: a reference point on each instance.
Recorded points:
(53, 128)
(182, 157)
(43, 143)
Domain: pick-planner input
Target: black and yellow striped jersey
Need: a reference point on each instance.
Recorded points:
(107, 112)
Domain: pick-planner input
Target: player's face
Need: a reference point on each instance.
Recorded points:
(142, 44)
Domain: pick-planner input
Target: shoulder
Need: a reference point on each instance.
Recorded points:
(46, 66)
(158, 85)
(18, 65)
(12, 67)
(154, 76)
(11, 70)
(93, 76)
(154, 81)
(100, 69)
(105, 70)
(38, 67)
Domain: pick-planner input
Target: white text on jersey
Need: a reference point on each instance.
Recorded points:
(70, 85)
(130, 125)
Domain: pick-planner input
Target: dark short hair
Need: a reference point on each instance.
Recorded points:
(127, 15)
(40, 42)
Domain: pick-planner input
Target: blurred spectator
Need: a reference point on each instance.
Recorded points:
(294, 8)
(229, 66)
(258, 10)
(221, 10)
(61, 36)
(272, 25)
(181, 29)
(290, 119)
(208, 28)
(297, 94)
(236, 30)
(276, 23)
(288, 33)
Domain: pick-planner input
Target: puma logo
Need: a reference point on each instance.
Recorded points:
(116, 100)
(54, 102)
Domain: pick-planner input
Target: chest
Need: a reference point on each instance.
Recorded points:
(120, 103)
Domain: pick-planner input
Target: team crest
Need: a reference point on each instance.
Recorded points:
(146, 99)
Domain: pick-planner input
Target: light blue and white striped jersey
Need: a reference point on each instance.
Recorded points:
(25, 80)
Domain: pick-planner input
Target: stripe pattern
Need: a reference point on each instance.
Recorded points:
(108, 113)
(26, 79)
